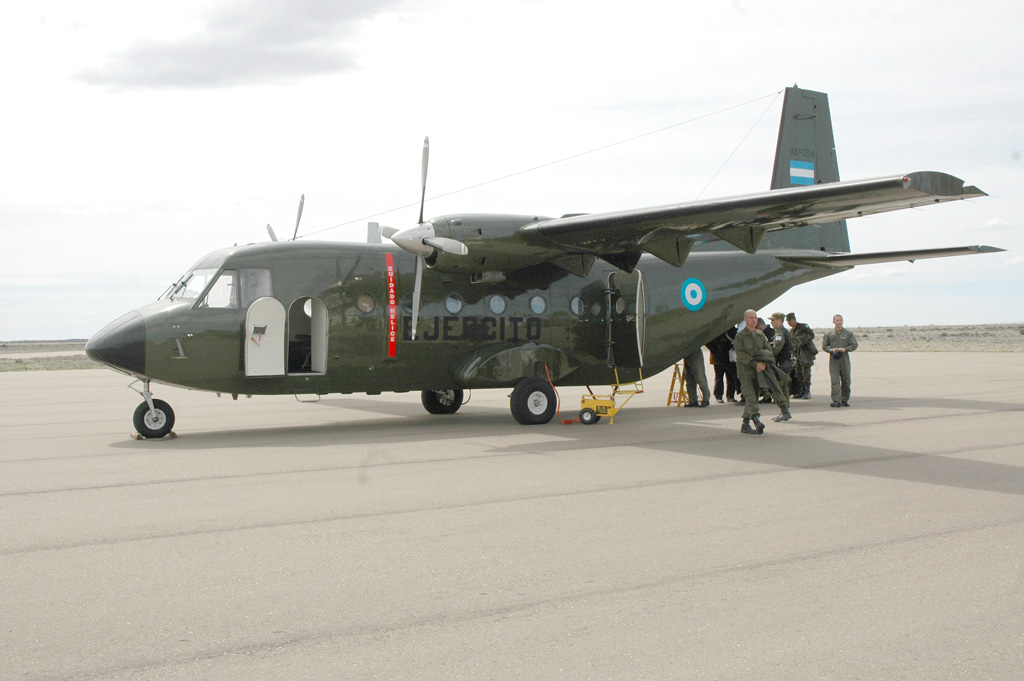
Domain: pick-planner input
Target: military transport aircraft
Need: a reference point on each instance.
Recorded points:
(509, 301)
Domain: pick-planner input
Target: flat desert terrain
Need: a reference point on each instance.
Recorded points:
(976, 338)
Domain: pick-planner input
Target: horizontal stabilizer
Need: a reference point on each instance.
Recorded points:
(853, 259)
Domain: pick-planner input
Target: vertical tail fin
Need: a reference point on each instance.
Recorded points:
(806, 154)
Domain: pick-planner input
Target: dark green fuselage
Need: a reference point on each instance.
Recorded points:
(554, 323)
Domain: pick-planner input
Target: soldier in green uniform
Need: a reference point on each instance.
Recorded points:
(805, 350)
(755, 365)
(839, 343)
(782, 345)
(696, 377)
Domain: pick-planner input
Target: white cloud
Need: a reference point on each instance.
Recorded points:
(246, 42)
(992, 225)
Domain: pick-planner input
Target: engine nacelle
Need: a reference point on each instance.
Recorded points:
(493, 241)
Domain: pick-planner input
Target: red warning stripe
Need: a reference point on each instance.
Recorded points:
(392, 305)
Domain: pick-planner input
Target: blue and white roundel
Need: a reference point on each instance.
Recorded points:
(694, 294)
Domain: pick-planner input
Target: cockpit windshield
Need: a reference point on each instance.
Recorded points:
(232, 288)
(190, 286)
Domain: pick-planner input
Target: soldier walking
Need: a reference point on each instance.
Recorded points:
(755, 364)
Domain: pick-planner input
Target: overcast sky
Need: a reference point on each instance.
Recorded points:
(139, 136)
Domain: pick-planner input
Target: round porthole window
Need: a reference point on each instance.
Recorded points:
(497, 304)
(620, 306)
(538, 305)
(453, 303)
(366, 303)
(576, 305)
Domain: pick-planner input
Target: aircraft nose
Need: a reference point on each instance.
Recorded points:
(121, 344)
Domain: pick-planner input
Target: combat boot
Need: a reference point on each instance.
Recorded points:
(747, 430)
(784, 414)
(758, 425)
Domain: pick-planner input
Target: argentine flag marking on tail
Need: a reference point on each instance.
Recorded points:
(801, 172)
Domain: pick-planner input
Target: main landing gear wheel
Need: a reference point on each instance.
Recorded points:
(533, 402)
(153, 423)
(442, 401)
(588, 417)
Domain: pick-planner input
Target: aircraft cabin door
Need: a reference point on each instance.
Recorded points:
(307, 337)
(265, 338)
(626, 318)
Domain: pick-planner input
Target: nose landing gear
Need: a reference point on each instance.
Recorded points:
(153, 418)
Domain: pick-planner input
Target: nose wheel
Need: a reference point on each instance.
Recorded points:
(153, 418)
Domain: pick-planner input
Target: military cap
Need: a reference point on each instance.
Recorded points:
(791, 315)
(778, 315)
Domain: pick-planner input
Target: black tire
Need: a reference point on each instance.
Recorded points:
(154, 425)
(589, 417)
(442, 401)
(533, 402)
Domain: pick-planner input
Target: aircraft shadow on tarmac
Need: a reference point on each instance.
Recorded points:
(648, 427)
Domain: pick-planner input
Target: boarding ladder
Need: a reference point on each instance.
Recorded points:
(678, 397)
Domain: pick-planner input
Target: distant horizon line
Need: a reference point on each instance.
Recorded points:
(852, 326)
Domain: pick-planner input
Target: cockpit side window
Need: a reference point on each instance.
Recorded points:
(224, 292)
(255, 284)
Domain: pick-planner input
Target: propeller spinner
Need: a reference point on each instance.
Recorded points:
(421, 240)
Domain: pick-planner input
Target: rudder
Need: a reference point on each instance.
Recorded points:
(806, 155)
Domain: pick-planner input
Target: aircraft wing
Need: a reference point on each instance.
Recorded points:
(668, 232)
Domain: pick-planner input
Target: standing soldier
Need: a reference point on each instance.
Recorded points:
(839, 343)
(782, 347)
(805, 350)
(725, 369)
(755, 362)
(693, 370)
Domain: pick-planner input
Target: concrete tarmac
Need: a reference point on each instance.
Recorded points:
(361, 538)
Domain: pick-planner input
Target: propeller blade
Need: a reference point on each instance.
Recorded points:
(270, 231)
(388, 232)
(446, 245)
(423, 176)
(302, 200)
(416, 294)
